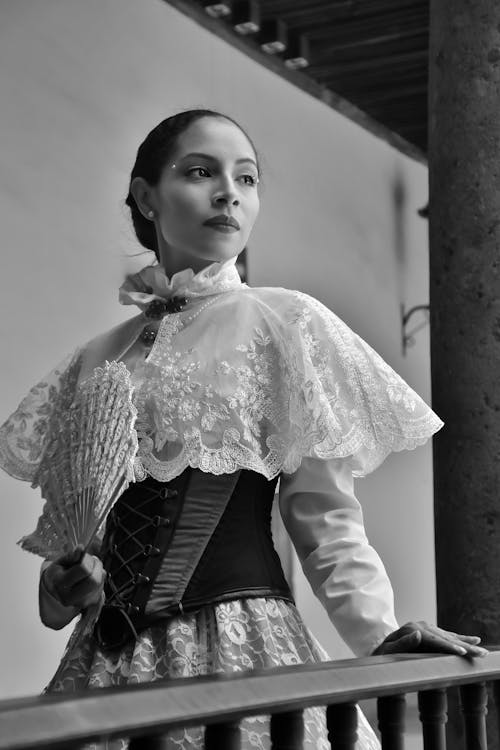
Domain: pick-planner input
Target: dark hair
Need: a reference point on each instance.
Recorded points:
(152, 155)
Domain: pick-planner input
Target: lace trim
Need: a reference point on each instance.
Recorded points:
(23, 436)
(316, 389)
(293, 381)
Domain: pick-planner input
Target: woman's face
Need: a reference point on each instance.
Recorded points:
(207, 200)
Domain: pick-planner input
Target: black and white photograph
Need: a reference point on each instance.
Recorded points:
(250, 394)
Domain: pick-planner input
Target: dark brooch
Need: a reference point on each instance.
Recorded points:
(160, 307)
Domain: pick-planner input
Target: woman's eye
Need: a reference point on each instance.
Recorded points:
(249, 179)
(199, 172)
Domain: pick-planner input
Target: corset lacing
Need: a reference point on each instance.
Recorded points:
(134, 542)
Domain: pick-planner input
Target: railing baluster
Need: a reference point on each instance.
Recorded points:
(287, 730)
(496, 696)
(342, 725)
(223, 736)
(391, 712)
(473, 700)
(432, 705)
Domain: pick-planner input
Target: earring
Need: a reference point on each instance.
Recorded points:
(151, 214)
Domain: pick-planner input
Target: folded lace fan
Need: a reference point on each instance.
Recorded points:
(87, 464)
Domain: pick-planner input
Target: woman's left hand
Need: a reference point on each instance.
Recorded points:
(420, 636)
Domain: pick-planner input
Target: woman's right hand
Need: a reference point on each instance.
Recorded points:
(75, 579)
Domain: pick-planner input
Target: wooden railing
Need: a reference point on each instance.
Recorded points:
(145, 712)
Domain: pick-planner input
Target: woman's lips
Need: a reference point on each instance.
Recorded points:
(224, 228)
(222, 220)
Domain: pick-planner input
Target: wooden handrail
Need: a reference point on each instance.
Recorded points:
(57, 720)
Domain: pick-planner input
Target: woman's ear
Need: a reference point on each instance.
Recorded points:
(143, 196)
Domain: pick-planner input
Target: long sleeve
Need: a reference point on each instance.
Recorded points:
(325, 523)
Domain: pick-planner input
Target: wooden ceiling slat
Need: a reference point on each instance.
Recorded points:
(370, 82)
(370, 78)
(397, 113)
(298, 12)
(392, 103)
(301, 11)
(402, 118)
(414, 132)
(368, 51)
(345, 31)
(381, 65)
(395, 95)
(368, 95)
(417, 35)
(373, 92)
(355, 31)
(333, 15)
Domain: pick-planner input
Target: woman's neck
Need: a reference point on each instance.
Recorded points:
(172, 262)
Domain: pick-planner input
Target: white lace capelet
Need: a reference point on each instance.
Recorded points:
(240, 378)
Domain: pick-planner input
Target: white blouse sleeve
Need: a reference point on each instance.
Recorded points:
(325, 523)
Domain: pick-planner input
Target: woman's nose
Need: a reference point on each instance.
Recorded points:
(226, 199)
(226, 195)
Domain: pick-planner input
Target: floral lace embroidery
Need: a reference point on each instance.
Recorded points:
(226, 638)
(23, 436)
(257, 380)
(311, 387)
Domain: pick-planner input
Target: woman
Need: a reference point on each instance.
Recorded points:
(235, 387)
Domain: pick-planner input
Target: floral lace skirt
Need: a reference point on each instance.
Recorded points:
(224, 638)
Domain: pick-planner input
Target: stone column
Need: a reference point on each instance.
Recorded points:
(464, 165)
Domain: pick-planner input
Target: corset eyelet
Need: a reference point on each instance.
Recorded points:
(157, 521)
(166, 493)
(141, 578)
(150, 550)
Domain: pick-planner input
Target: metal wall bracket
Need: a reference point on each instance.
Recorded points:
(408, 337)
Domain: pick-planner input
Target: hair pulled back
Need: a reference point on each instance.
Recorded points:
(152, 156)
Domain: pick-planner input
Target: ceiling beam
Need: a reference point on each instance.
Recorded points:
(273, 63)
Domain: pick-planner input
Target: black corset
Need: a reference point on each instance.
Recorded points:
(138, 530)
(177, 546)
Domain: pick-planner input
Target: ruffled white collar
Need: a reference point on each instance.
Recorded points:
(152, 283)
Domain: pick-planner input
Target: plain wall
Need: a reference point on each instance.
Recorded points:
(80, 85)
